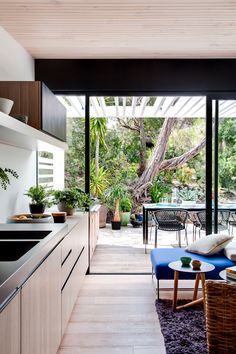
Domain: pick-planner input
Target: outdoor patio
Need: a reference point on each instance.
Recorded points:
(122, 251)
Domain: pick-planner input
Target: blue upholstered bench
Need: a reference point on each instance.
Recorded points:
(161, 257)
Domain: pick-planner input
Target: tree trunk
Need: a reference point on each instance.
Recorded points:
(158, 156)
(177, 162)
(142, 152)
(97, 155)
(117, 211)
(157, 162)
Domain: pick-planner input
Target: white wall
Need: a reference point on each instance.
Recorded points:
(23, 162)
(15, 65)
(15, 62)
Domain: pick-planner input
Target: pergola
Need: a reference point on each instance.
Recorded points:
(145, 106)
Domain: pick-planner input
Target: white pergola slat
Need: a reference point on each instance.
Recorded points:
(161, 106)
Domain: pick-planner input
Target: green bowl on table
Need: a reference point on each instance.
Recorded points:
(185, 261)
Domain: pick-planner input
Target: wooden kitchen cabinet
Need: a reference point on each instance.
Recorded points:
(74, 265)
(41, 308)
(10, 327)
(34, 99)
(94, 229)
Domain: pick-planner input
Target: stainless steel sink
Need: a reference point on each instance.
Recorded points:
(11, 251)
(23, 235)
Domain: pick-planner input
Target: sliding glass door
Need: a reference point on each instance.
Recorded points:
(224, 165)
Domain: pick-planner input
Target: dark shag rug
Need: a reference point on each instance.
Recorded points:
(184, 331)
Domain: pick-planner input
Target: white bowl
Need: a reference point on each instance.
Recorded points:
(6, 105)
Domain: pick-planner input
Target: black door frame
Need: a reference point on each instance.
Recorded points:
(210, 161)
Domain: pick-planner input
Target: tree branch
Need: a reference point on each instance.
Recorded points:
(134, 127)
(176, 162)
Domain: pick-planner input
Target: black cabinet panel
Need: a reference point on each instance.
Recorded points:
(53, 114)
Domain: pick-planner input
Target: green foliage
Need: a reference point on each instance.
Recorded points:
(114, 193)
(159, 188)
(227, 153)
(98, 183)
(125, 204)
(73, 197)
(39, 195)
(75, 156)
(98, 128)
(4, 177)
(189, 194)
(185, 174)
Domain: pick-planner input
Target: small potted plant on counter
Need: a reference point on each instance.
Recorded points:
(125, 210)
(40, 199)
(69, 199)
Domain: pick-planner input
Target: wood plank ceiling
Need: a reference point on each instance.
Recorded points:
(122, 29)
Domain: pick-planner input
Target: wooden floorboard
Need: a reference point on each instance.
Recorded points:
(114, 315)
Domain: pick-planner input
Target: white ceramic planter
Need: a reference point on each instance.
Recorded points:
(6, 105)
(188, 202)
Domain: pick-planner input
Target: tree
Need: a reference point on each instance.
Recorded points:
(98, 129)
(158, 163)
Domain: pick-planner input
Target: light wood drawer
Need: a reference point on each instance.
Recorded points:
(72, 287)
(70, 242)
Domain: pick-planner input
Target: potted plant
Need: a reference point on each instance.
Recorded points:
(188, 196)
(69, 199)
(158, 189)
(40, 199)
(98, 184)
(114, 194)
(135, 221)
(125, 210)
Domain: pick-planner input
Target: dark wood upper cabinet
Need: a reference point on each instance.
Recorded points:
(35, 100)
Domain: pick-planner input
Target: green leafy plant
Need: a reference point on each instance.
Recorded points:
(40, 195)
(189, 194)
(125, 204)
(99, 182)
(159, 189)
(4, 176)
(114, 194)
(73, 198)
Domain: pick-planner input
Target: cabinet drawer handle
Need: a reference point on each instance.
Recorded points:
(66, 257)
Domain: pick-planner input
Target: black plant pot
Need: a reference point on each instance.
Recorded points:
(37, 208)
(115, 225)
(136, 223)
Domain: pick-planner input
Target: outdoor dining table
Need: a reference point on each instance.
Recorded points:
(150, 207)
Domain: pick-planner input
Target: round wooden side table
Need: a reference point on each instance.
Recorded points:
(200, 275)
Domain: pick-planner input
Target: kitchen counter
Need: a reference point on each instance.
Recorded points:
(14, 273)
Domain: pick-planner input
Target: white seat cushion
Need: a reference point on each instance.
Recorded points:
(210, 244)
(230, 251)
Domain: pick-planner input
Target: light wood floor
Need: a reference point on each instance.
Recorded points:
(114, 315)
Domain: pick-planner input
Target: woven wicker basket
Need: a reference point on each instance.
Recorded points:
(221, 317)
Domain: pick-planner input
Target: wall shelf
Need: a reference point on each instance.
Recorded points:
(18, 134)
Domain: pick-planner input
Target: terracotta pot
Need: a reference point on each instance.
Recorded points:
(62, 207)
(102, 216)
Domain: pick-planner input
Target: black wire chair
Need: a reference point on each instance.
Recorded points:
(195, 222)
(223, 220)
(232, 221)
(170, 220)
